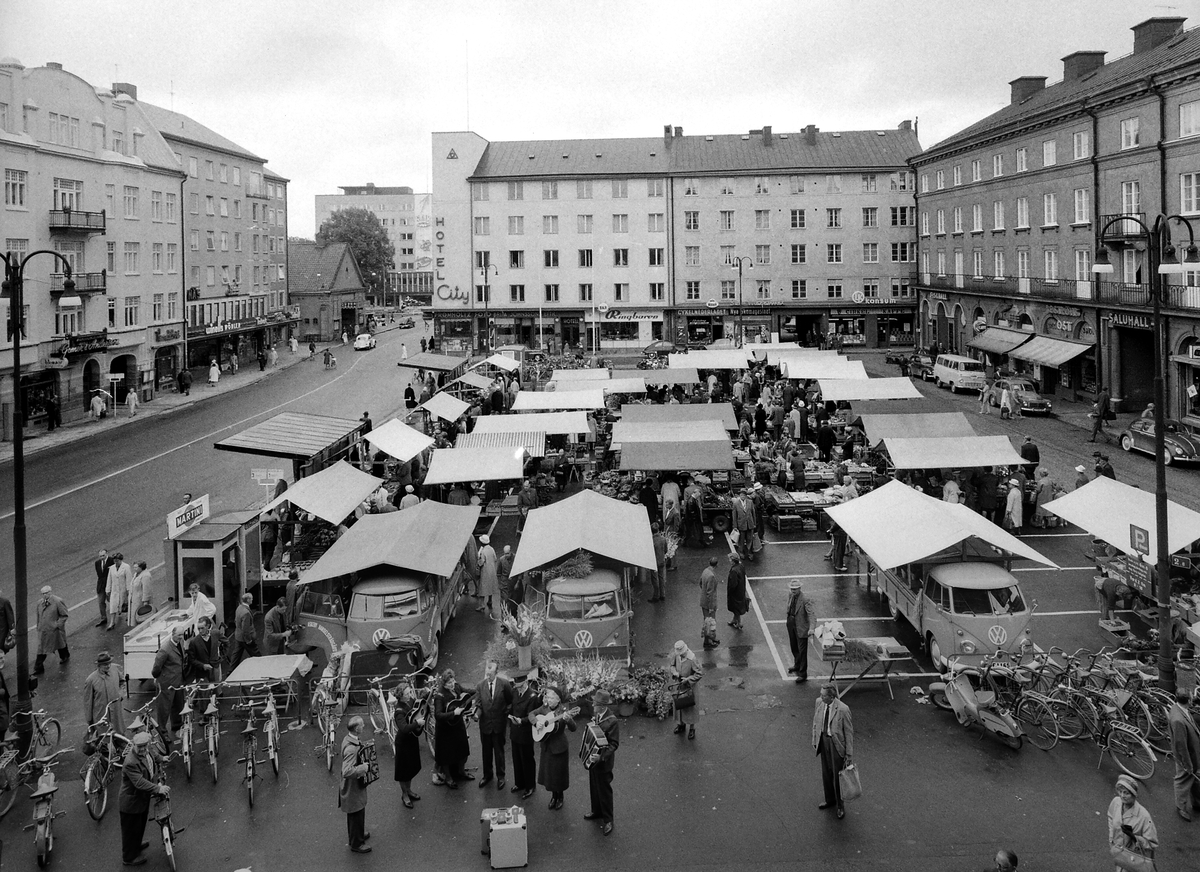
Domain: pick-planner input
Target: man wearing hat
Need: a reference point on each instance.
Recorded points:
(102, 693)
(600, 763)
(139, 782)
(1082, 477)
(735, 591)
(799, 623)
(51, 617)
(525, 699)
(743, 521)
(489, 580)
(352, 797)
(168, 671)
(410, 497)
(1103, 467)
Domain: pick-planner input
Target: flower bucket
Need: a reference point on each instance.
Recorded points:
(626, 709)
(524, 656)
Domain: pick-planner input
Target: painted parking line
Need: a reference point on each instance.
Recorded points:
(1053, 535)
(783, 673)
(795, 541)
(1090, 567)
(810, 575)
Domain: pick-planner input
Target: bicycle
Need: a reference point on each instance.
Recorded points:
(250, 742)
(101, 765)
(212, 730)
(160, 810)
(143, 721)
(186, 728)
(1033, 710)
(1101, 718)
(328, 711)
(271, 727)
(46, 734)
(43, 805)
(381, 706)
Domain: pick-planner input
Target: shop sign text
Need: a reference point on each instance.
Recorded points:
(1135, 320)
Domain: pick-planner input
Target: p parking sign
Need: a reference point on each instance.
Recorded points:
(1139, 539)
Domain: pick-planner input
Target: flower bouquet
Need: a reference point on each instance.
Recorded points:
(673, 542)
(525, 627)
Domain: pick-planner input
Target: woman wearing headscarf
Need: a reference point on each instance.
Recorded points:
(1129, 824)
(408, 744)
(1043, 493)
(686, 671)
(735, 591)
(451, 747)
(554, 771)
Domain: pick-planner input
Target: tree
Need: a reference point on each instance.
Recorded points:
(366, 237)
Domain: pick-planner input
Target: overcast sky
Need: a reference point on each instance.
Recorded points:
(344, 93)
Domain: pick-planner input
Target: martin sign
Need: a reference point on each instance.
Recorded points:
(187, 516)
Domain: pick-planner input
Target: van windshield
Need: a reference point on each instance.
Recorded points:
(994, 601)
(582, 608)
(379, 608)
(972, 366)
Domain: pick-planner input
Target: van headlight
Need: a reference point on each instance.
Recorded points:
(967, 647)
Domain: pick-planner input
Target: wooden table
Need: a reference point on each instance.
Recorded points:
(889, 652)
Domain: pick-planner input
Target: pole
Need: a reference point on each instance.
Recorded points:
(739, 317)
(1166, 662)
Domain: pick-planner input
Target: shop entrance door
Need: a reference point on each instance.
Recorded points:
(1137, 368)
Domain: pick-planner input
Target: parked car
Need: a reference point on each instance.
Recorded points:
(364, 342)
(958, 373)
(406, 323)
(1180, 443)
(660, 347)
(1029, 400)
(921, 366)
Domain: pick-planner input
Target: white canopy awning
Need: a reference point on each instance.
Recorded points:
(535, 401)
(1107, 509)
(951, 452)
(685, 376)
(777, 355)
(710, 430)
(448, 465)
(933, 424)
(442, 405)
(822, 368)
(500, 361)
(595, 523)
(398, 439)
(551, 423)
(653, 456)
(599, 374)
(722, 412)
(897, 525)
(629, 385)
(730, 358)
(473, 379)
(868, 389)
(331, 494)
(763, 350)
(533, 442)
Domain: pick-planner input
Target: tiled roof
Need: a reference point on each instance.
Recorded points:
(1181, 51)
(307, 261)
(724, 153)
(175, 125)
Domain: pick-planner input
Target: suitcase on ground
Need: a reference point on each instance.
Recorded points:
(505, 837)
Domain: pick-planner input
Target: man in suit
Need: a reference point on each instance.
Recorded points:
(245, 640)
(1185, 748)
(352, 798)
(600, 775)
(525, 699)
(168, 672)
(833, 739)
(139, 782)
(799, 623)
(495, 697)
(203, 654)
(101, 565)
(743, 522)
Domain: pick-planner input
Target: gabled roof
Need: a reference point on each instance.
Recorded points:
(175, 125)
(1174, 54)
(308, 260)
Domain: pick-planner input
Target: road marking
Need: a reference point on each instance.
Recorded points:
(811, 575)
(1053, 535)
(783, 673)
(795, 541)
(1066, 614)
(1092, 567)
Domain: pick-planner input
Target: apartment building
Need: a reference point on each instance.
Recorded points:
(613, 243)
(1012, 208)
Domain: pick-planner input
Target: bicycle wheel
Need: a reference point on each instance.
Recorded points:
(168, 844)
(210, 736)
(330, 745)
(46, 737)
(1038, 722)
(250, 748)
(1131, 753)
(185, 739)
(1135, 713)
(1160, 731)
(273, 748)
(10, 780)
(1089, 715)
(44, 843)
(376, 712)
(95, 786)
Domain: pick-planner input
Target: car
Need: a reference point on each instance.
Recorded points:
(364, 342)
(1029, 400)
(406, 323)
(1181, 444)
(921, 366)
(660, 347)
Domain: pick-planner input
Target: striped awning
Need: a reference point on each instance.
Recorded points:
(1047, 351)
(999, 340)
(534, 443)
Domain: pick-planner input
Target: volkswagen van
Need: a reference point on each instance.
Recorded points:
(589, 615)
(959, 373)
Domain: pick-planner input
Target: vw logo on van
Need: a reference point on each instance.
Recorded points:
(997, 635)
(583, 639)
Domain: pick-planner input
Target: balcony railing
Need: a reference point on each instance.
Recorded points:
(1129, 295)
(85, 283)
(1123, 230)
(258, 192)
(73, 221)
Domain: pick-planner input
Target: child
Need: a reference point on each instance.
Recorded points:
(708, 632)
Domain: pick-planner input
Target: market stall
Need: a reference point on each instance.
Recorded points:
(722, 412)
(630, 385)
(571, 423)
(930, 425)
(660, 377)
(331, 494)
(838, 389)
(498, 363)
(708, 430)
(764, 350)
(951, 452)
(449, 465)
(468, 384)
(450, 367)
(811, 367)
(311, 442)
(535, 401)
(671, 456)
(533, 442)
(398, 440)
(579, 375)
(776, 356)
(443, 405)
(731, 358)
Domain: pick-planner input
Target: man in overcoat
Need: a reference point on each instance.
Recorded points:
(833, 739)
(799, 624)
(352, 798)
(495, 695)
(51, 616)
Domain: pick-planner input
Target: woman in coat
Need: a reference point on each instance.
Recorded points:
(686, 671)
(1129, 824)
(451, 747)
(408, 744)
(554, 771)
(1042, 495)
(214, 374)
(489, 578)
(139, 591)
(735, 591)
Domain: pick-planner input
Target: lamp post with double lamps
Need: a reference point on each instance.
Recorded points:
(1163, 261)
(13, 289)
(737, 263)
(486, 272)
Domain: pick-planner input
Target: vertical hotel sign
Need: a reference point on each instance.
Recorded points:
(443, 291)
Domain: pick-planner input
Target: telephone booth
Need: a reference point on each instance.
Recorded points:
(223, 556)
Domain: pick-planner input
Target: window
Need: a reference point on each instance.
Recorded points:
(657, 292)
(516, 293)
(620, 189)
(871, 288)
(726, 220)
(156, 257)
(67, 320)
(977, 264)
(957, 214)
(1081, 145)
(762, 254)
(516, 190)
(799, 253)
(795, 184)
(900, 288)
(833, 217)
(957, 174)
(224, 208)
(133, 311)
(976, 170)
(940, 179)
(799, 289)
(691, 188)
(1049, 153)
(156, 310)
(998, 263)
(583, 223)
(585, 292)
(762, 219)
(762, 185)
(237, 241)
(132, 251)
(550, 224)
(998, 215)
(725, 185)
(482, 259)
(1083, 265)
(68, 194)
(870, 252)
(691, 220)
(192, 168)
(941, 222)
(1131, 201)
(585, 257)
(833, 184)
(1189, 118)
(551, 293)
(833, 252)
(208, 170)
(620, 224)
(210, 206)
(941, 263)
(692, 291)
(924, 223)
(870, 215)
(977, 218)
(1130, 134)
(904, 216)
(156, 206)
(656, 222)
(656, 256)
(1050, 261)
(762, 289)
(1022, 160)
(195, 240)
(1049, 210)
(834, 291)
(15, 186)
(172, 305)
(620, 257)
(621, 292)
(1189, 192)
(172, 257)
(516, 225)
(549, 190)
(1022, 212)
(550, 258)
(1022, 264)
(583, 189)
(870, 183)
(904, 252)
(656, 187)
(516, 260)
(924, 183)
(728, 289)
(997, 165)
(797, 219)
(479, 191)
(691, 255)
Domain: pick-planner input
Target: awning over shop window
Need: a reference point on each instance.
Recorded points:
(999, 340)
(1050, 352)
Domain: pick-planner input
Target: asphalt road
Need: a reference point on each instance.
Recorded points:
(742, 795)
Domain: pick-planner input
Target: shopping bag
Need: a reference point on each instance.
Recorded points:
(1129, 860)
(849, 783)
(755, 543)
(683, 696)
(735, 536)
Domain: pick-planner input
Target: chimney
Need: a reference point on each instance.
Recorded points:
(1025, 87)
(1080, 63)
(53, 66)
(810, 134)
(678, 132)
(905, 125)
(1153, 32)
(766, 132)
(125, 88)
(667, 135)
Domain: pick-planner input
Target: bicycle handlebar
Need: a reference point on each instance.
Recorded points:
(46, 761)
(382, 678)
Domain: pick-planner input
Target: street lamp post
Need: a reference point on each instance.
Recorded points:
(13, 288)
(737, 262)
(486, 271)
(1162, 262)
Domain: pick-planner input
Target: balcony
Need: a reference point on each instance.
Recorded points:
(1125, 295)
(73, 221)
(1123, 231)
(85, 283)
(257, 192)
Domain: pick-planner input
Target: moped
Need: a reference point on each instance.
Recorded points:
(958, 693)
